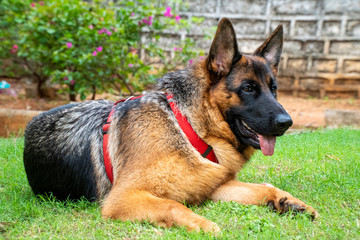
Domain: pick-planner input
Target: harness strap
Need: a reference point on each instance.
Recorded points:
(202, 147)
(107, 161)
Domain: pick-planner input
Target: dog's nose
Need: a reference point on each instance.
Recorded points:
(283, 122)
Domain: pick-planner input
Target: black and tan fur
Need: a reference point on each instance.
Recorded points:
(228, 98)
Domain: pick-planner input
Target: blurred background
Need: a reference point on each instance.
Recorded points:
(53, 52)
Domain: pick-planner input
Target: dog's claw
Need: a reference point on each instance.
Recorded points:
(293, 205)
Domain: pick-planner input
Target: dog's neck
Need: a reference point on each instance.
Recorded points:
(190, 88)
(183, 85)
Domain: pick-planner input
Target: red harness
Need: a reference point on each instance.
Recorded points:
(202, 147)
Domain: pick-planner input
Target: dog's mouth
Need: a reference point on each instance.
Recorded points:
(264, 142)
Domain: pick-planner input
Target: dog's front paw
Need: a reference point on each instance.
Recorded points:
(290, 204)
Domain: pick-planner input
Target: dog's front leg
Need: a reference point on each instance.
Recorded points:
(258, 194)
(142, 205)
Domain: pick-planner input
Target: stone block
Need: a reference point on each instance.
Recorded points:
(351, 66)
(345, 47)
(244, 27)
(169, 41)
(305, 28)
(296, 64)
(311, 83)
(342, 7)
(208, 25)
(337, 117)
(350, 81)
(203, 43)
(201, 6)
(331, 28)
(314, 47)
(243, 7)
(353, 28)
(248, 46)
(292, 47)
(324, 65)
(285, 83)
(286, 7)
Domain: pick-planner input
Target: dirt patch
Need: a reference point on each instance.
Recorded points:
(311, 112)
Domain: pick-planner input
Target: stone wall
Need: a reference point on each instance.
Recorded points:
(322, 39)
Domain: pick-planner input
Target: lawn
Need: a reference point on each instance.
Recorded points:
(322, 168)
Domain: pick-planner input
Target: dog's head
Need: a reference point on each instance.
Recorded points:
(244, 88)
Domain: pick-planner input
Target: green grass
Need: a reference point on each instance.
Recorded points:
(321, 168)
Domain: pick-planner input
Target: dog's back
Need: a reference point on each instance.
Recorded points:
(58, 152)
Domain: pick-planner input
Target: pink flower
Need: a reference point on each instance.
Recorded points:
(66, 78)
(147, 21)
(150, 21)
(180, 49)
(132, 14)
(108, 32)
(72, 82)
(15, 47)
(94, 53)
(13, 51)
(41, 3)
(91, 26)
(99, 49)
(32, 5)
(177, 18)
(100, 31)
(167, 13)
(69, 45)
(191, 61)
(201, 57)
(175, 48)
(104, 30)
(130, 65)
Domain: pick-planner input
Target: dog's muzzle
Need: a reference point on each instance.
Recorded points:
(264, 141)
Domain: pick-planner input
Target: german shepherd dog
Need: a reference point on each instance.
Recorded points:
(228, 98)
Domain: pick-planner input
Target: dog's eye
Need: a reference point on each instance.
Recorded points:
(273, 90)
(247, 88)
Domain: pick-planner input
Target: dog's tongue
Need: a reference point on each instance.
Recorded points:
(267, 144)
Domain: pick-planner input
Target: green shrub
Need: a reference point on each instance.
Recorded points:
(92, 47)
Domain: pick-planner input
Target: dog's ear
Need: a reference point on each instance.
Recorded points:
(271, 49)
(224, 50)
